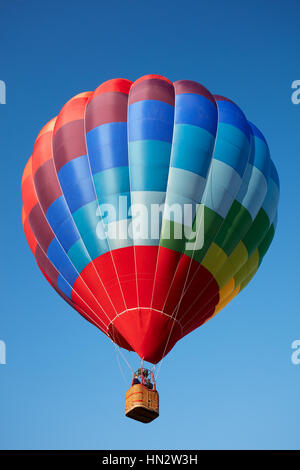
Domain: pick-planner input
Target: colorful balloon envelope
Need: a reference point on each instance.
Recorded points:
(148, 207)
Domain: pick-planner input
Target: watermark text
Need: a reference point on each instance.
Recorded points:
(295, 358)
(2, 352)
(152, 222)
(2, 92)
(296, 94)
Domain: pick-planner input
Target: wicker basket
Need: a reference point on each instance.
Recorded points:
(142, 404)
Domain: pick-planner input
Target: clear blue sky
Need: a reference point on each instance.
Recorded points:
(231, 383)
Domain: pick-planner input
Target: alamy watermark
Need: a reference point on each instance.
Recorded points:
(295, 358)
(152, 221)
(295, 97)
(2, 92)
(2, 352)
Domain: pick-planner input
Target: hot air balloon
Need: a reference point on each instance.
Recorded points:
(148, 207)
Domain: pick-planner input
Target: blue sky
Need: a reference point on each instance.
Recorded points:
(230, 384)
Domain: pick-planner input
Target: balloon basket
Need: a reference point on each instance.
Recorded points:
(142, 404)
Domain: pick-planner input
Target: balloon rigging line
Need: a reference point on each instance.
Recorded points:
(119, 364)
